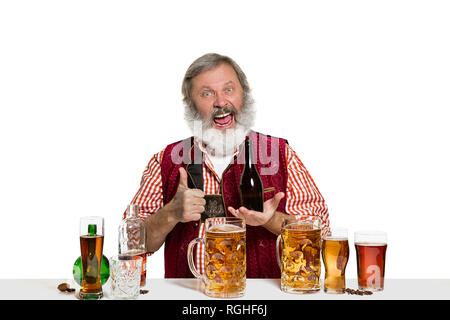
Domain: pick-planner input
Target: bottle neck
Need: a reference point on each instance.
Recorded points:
(92, 229)
(249, 161)
(132, 211)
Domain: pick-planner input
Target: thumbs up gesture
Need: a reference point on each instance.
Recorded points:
(188, 204)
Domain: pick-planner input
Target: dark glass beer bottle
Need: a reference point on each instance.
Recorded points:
(250, 186)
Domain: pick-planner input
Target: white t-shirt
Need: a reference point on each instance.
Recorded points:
(220, 163)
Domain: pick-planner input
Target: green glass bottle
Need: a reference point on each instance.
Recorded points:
(78, 266)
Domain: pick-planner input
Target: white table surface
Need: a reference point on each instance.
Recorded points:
(256, 289)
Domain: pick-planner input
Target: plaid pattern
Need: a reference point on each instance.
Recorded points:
(302, 194)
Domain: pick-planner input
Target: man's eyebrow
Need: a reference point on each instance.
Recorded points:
(209, 88)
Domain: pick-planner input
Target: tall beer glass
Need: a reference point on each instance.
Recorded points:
(335, 253)
(300, 254)
(91, 243)
(370, 255)
(224, 258)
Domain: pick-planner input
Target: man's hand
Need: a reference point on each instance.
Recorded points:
(256, 218)
(188, 204)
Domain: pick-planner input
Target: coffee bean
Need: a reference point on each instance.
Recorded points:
(358, 292)
(63, 287)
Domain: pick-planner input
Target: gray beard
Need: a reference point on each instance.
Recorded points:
(221, 143)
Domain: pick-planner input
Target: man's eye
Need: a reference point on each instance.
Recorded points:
(229, 90)
(206, 94)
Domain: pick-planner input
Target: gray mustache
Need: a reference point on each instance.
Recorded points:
(218, 111)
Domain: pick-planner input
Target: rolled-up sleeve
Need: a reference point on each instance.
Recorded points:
(149, 197)
(303, 196)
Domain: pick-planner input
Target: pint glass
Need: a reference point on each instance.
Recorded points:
(224, 257)
(335, 253)
(370, 256)
(91, 243)
(300, 254)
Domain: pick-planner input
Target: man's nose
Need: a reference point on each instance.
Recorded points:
(220, 101)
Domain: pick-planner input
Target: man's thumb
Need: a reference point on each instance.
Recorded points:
(277, 198)
(183, 178)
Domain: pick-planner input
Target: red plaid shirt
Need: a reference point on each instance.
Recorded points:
(302, 194)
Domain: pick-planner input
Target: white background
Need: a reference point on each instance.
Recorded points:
(90, 90)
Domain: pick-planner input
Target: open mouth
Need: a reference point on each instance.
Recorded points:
(224, 120)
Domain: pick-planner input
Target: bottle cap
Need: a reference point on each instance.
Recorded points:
(92, 229)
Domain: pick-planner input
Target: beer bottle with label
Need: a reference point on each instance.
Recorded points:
(132, 239)
(250, 186)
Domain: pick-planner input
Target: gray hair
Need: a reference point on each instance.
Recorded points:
(207, 62)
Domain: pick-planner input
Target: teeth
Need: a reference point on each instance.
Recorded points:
(222, 115)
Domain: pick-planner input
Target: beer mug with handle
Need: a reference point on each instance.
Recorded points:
(224, 261)
(299, 261)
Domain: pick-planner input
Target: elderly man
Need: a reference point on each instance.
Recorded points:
(220, 112)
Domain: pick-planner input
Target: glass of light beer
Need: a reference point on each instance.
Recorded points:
(91, 243)
(224, 257)
(370, 255)
(335, 253)
(299, 260)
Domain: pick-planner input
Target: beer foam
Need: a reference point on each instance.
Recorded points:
(300, 227)
(225, 228)
(371, 244)
(331, 238)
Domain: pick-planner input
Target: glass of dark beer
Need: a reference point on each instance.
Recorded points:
(335, 253)
(370, 256)
(91, 243)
